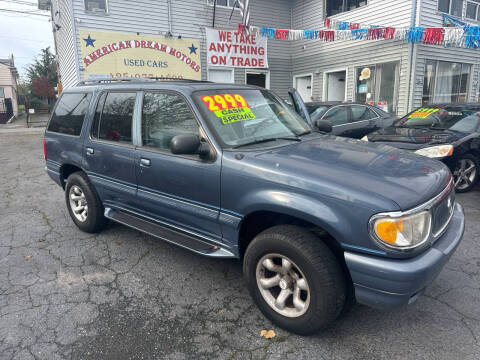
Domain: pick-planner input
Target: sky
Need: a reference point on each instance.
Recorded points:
(23, 35)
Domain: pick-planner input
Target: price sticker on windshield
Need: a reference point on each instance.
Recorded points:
(225, 102)
(229, 116)
(422, 113)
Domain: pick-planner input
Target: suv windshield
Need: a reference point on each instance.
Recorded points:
(242, 117)
(452, 117)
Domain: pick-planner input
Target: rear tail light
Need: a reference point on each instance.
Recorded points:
(44, 149)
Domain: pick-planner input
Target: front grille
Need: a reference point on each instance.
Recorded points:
(442, 211)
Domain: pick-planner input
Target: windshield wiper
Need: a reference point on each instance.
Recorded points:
(304, 133)
(266, 140)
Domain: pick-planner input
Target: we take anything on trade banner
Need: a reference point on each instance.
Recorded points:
(236, 49)
(112, 54)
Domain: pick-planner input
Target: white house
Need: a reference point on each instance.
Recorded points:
(8, 84)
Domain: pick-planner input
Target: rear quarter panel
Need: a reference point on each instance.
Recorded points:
(63, 149)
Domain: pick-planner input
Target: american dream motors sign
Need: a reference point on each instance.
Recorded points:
(236, 49)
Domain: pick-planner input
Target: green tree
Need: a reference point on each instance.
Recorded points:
(41, 79)
(44, 65)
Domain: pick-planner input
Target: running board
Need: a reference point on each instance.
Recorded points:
(167, 234)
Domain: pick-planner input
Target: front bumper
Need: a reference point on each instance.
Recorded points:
(388, 283)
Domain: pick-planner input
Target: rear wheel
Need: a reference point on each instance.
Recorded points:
(295, 279)
(83, 204)
(466, 173)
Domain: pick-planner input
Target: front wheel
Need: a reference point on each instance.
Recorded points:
(295, 279)
(466, 173)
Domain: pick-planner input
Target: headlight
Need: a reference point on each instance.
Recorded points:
(403, 232)
(436, 151)
(365, 138)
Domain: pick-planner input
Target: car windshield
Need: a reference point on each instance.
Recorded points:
(462, 118)
(242, 117)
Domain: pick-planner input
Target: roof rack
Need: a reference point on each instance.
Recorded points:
(135, 79)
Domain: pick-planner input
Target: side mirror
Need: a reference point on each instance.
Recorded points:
(323, 126)
(188, 144)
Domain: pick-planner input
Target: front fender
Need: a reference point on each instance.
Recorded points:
(304, 207)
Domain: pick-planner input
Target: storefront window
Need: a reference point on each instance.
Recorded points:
(338, 6)
(378, 85)
(226, 3)
(472, 11)
(445, 82)
(429, 82)
(96, 5)
(452, 7)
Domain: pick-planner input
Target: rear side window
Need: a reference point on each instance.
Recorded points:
(113, 117)
(70, 113)
(361, 113)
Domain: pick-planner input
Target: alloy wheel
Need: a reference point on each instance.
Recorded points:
(465, 174)
(78, 203)
(283, 285)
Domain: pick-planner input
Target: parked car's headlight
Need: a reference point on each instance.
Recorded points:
(439, 151)
(402, 232)
(365, 138)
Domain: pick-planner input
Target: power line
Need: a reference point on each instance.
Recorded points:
(24, 12)
(18, 57)
(19, 2)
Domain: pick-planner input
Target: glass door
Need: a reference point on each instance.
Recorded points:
(377, 85)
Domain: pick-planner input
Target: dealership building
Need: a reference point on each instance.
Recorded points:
(186, 39)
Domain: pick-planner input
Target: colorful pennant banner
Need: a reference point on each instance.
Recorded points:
(467, 36)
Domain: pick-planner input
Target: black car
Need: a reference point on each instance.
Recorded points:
(447, 132)
(350, 119)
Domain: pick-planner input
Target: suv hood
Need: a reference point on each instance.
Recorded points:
(414, 139)
(353, 170)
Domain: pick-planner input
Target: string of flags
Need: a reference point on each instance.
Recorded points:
(453, 35)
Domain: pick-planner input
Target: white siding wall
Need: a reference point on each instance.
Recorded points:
(430, 16)
(65, 45)
(9, 84)
(319, 56)
(189, 19)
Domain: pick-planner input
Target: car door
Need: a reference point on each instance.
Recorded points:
(299, 105)
(339, 118)
(109, 152)
(364, 121)
(180, 191)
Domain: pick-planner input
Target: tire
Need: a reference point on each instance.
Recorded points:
(79, 188)
(465, 179)
(312, 260)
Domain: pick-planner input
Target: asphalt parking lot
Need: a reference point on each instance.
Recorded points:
(121, 294)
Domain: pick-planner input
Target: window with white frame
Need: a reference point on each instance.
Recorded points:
(225, 3)
(452, 7)
(445, 82)
(99, 6)
(473, 10)
(334, 7)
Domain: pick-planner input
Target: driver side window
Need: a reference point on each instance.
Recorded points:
(164, 116)
(337, 116)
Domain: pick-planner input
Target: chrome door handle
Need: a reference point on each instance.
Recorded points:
(90, 151)
(145, 162)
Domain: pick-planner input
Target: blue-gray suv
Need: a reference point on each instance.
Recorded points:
(232, 171)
